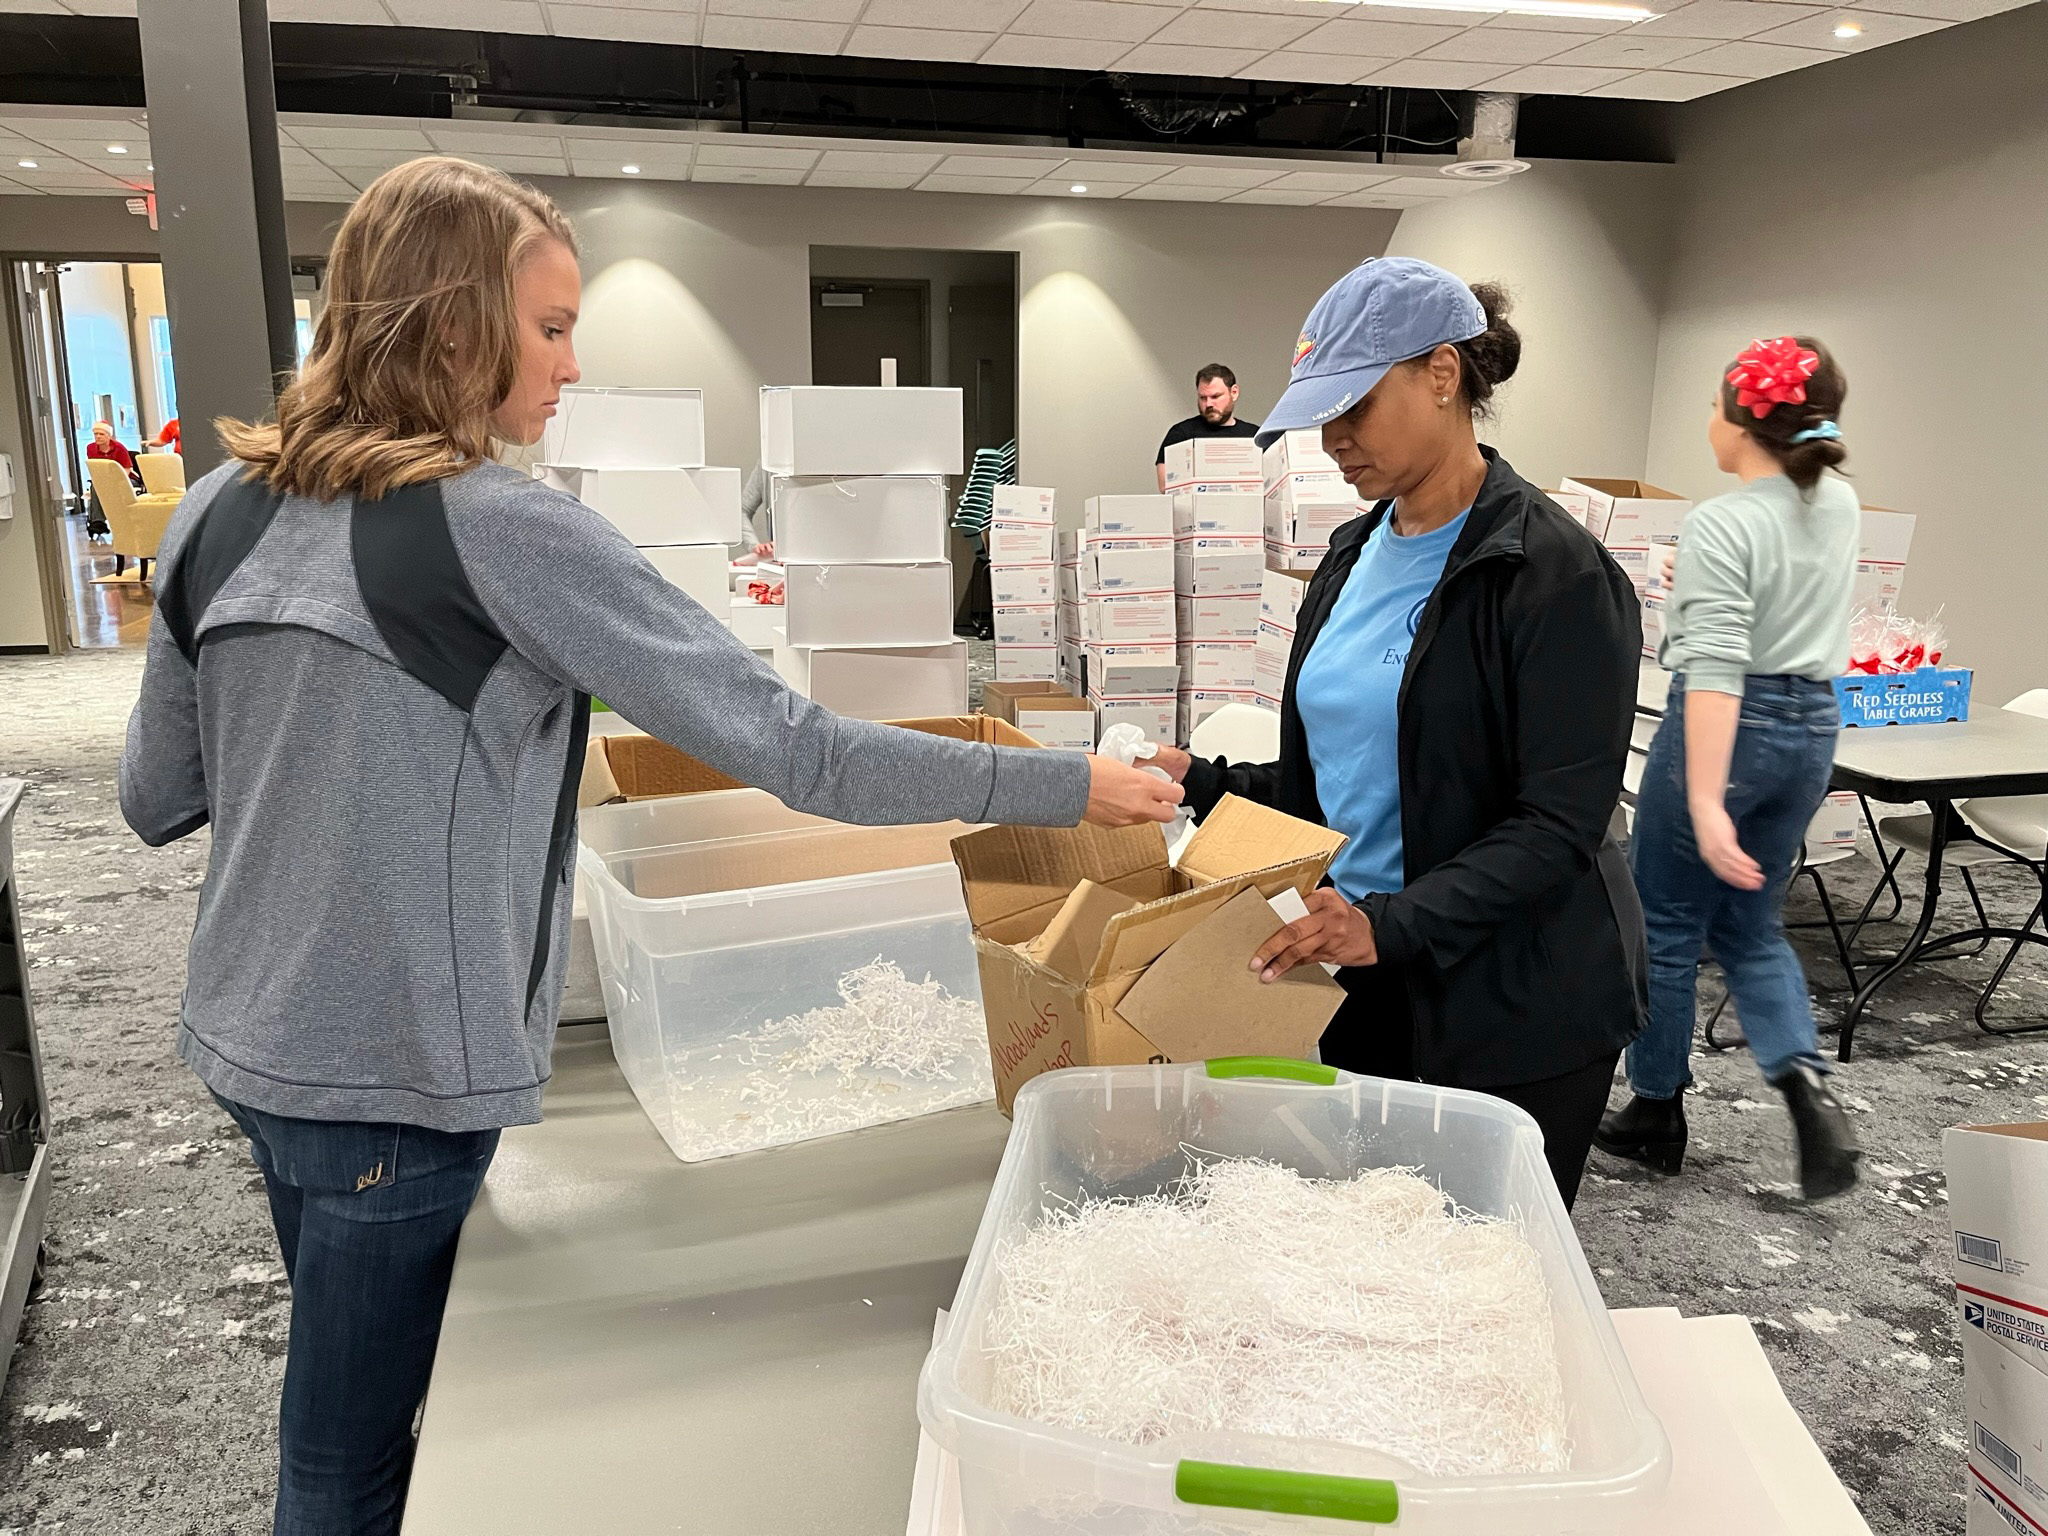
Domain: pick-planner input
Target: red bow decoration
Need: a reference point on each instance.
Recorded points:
(1772, 373)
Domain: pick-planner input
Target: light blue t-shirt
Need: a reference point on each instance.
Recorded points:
(1348, 691)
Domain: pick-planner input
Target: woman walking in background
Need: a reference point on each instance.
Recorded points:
(1758, 625)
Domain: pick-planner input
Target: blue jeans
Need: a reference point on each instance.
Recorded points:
(367, 1216)
(1777, 778)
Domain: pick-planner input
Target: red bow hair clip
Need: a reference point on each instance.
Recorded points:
(1772, 373)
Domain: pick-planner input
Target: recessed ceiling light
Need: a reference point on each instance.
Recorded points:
(1079, 186)
(629, 170)
(117, 149)
(1848, 29)
(26, 165)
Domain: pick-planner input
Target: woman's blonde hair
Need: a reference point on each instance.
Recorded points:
(419, 342)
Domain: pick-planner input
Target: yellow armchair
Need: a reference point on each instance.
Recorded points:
(137, 522)
(163, 474)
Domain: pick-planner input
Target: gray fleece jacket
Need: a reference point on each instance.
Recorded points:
(380, 708)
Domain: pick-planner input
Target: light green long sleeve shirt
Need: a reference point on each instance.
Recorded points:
(1764, 583)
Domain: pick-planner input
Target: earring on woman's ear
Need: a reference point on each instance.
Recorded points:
(1443, 400)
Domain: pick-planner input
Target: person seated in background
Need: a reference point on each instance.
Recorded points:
(105, 445)
(1215, 414)
(758, 535)
(169, 437)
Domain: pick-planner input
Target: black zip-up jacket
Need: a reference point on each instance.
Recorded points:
(1518, 931)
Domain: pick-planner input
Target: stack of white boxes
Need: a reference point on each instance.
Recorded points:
(1279, 608)
(1998, 1211)
(1306, 501)
(1021, 539)
(1119, 568)
(636, 458)
(1219, 561)
(858, 496)
(1636, 522)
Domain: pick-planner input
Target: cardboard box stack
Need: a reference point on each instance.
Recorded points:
(1636, 521)
(1045, 712)
(1219, 558)
(636, 458)
(1306, 501)
(1021, 539)
(1280, 595)
(1095, 952)
(1998, 1212)
(1887, 538)
(1119, 568)
(858, 497)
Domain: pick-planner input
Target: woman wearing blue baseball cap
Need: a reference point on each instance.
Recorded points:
(1458, 703)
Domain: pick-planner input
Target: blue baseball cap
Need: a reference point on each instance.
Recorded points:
(1380, 313)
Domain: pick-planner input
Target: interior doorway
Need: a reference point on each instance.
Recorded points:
(949, 318)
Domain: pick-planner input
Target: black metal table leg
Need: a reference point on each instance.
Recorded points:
(1910, 950)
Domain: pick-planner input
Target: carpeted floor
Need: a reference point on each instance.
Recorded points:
(141, 1396)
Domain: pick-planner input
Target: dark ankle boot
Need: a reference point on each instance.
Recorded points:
(1648, 1130)
(1827, 1143)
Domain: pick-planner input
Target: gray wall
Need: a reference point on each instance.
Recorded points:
(1582, 249)
(1119, 302)
(1899, 211)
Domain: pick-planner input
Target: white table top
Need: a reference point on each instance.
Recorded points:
(635, 1344)
(1994, 752)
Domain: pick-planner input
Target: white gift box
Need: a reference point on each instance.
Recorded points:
(894, 605)
(828, 429)
(836, 519)
(598, 427)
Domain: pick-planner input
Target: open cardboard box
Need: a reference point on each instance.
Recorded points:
(640, 767)
(1079, 933)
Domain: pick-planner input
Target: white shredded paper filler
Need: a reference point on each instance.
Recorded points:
(891, 1049)
(1371, 1311)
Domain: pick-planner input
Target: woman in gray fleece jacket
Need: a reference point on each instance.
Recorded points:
(369, 673)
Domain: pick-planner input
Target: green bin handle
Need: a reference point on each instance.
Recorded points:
(1369, 1500)
(1272, 1066)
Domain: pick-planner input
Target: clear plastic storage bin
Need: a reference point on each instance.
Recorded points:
(1123, 1131)
(714, 915)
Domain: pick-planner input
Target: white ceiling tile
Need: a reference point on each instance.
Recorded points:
(1330, 183)
(1372, 197)
(1425, 186)
(1104, 20)
(1375, 39)
(757, 174)
(944, 15)
(474, 141)
(1184, 59)
(1235, 29)
(321, 192)
(1432, 75)
(320, 138)
(1315, 11)
(787, 10)
(1942, 10)
(1063, 185)
(917, 43)
(360, 165)
(292, 158)
(1725, 18)
(877, 162)
(1220, 173)
(69, 178)
(1593, 25)
(16, 189)
(1878, 28)
(1121, 172)
(1755, 60)
(1495, 45)
(470, 15)
(874, 179)
(44, 126)
(1023, 167)
(761, 156)
(972, 184)
(1163, 192)
(524, 165)
(1632, 50)
(772, 33)
(358, 13)
(603, 157)
(1277, 196)
(95, 152)
(1051, 52)
(33, 8)
(1311, 68)
(625, 23)
(615, 169)
(1667, 85)
(101, 7)
(1555, 79)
